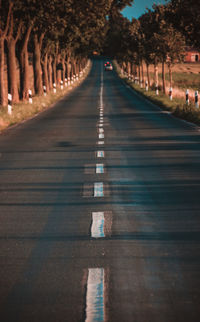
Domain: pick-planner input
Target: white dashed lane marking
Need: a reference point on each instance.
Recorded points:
(95, 310)
(100, 154)
(100, 168)
(101, 136)
(98, 189)
(97, 227)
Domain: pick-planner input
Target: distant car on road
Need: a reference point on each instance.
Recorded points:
(108, 66)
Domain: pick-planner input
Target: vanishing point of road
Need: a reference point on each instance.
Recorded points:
(100, 211)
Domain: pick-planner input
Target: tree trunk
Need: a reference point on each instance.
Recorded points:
(73, 67)
(163, 77)
(148, 75)
(12, 70)
(45, 72)
(3, 34)
(68, 67)
(64, 69)
(37, 66)
(3, 94)
(128, 68)
(54, 71)
(156, 74)
(142, 71)
(139, 72)
(170, 75)
(50, 72)
(24, 67)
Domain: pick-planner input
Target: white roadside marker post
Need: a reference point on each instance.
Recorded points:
(197, 99)
(170, 93)
(30, 96)
(45, 90)
(157, 91)
(187, 97)
(54, 88)
(9, 104)
(146, 86)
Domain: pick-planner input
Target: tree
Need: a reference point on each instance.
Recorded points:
(164, 42)
(5, 16)
(185, 16)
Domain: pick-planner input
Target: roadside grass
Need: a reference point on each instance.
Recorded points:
(185, 80)
(177, 106)
(24, 110)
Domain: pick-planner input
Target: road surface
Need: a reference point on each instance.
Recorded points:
(100, 211)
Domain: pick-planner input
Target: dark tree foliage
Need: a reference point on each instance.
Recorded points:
(185, 16)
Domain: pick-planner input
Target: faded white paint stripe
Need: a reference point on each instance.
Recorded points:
(100, 168)
(97, 227)
(98, 189)
(100, 154)
(95, 296)
(101, 130)
(101, 136)
(100, 142)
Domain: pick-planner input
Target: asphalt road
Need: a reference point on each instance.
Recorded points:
(100, 211)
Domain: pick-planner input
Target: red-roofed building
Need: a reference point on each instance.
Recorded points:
(192, 55)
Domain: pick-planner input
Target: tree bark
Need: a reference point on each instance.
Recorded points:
(3, 34)
(3, 94)
(170, 75)
(37, 65)
(24, 66)
(64, 69)
(148, 75)
(156, 74)
(45, 72)
(163, 77)
(54, 70)
(12, 66)
(50, 72)
(139, 72)
(68, 70)
(12, 70)
(73, 67)
(142, 71)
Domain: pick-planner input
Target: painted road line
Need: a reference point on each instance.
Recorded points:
(100, 168)
(100, 142)
(100, 125)
(95, 310)
(98, 189)
(97, 227)
(101, 136)
(100, 154)
(101, 130)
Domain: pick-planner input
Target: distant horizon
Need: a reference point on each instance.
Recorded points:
(139, 8)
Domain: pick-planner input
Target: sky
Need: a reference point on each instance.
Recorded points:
(139, 7)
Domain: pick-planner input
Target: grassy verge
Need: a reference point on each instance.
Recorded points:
(24, 110)
(177, 106)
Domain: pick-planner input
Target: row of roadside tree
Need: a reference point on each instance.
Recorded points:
(158, 36)
(55, 35)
